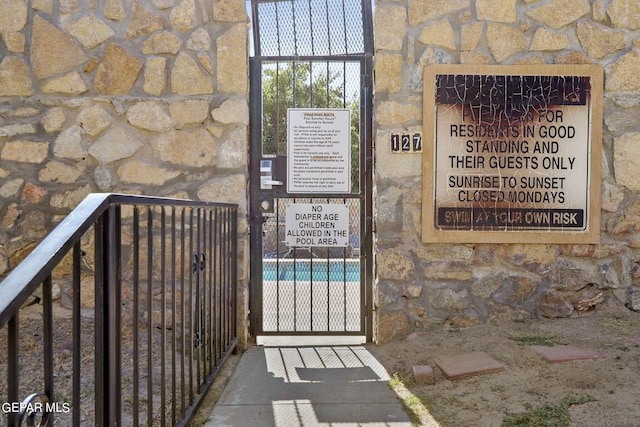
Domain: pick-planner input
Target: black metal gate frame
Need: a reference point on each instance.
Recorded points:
(366, 173)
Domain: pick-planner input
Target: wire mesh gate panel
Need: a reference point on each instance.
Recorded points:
(311, 288)
(314, 28)
(310, 55)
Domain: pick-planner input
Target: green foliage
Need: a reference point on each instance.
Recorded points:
(399, 380)
(412, 404)
(547, 415)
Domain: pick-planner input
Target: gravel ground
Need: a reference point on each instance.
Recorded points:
(31, 366)
(608, 388)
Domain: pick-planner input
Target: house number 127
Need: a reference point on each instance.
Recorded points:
(406, 142)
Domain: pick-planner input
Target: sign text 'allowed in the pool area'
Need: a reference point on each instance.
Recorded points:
(315, 224)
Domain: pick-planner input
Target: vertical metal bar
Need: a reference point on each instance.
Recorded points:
(234, 271)
(149, 316)
(255, 17)
(216, 282)
(226, 281)
(367, 23)
(101, 356)
(218, 304)
(13, 367)
(311, 282)
(203, 296)
(277, 113)
(198, 309)
(328, 86)
(276, 207)
(328, 286)
(328, 23)
(344, 27)
(256, 214)
(295, 32)
(76, 321)
(344, 273)
(210, 311)
(163, 322)
(190, 305)
(344, 83)
(47, 331)
(184, 270)
(294, 87)
(294, 269)
(366, 175)
(228, 273)
(202, 291)
(223, 285)
(223, 302)
(115, 315)
(173, 317)
(136, 309)
(311, 84)
(107, 294)
(230, 256)
(366, 207)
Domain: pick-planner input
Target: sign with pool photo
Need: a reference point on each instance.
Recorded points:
(512, 154)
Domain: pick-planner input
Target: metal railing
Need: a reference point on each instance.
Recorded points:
(149, 317)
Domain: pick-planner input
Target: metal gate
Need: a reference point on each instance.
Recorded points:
(311, 82)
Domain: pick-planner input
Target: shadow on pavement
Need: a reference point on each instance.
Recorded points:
(308, 386)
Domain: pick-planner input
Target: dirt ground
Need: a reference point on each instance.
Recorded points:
(608, 389)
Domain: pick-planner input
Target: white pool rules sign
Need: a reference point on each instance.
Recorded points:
(315, 224)
(319, 150)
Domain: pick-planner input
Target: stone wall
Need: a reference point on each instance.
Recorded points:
(426, 285)
(145, 97)
(151, 97)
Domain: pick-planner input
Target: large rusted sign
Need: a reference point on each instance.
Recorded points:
(512, 153)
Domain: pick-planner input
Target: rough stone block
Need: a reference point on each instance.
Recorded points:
(423, 374)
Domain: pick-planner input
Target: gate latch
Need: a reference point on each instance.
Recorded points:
(266, 175)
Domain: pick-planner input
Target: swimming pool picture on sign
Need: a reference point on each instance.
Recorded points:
(512, 153)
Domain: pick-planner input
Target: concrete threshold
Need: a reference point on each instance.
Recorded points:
(309, 340)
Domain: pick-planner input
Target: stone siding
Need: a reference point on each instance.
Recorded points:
(145, 97)
(428, 285)
(151, 97)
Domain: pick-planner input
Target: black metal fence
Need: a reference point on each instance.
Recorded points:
(146, 314)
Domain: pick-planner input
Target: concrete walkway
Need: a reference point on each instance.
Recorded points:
(308, 386)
